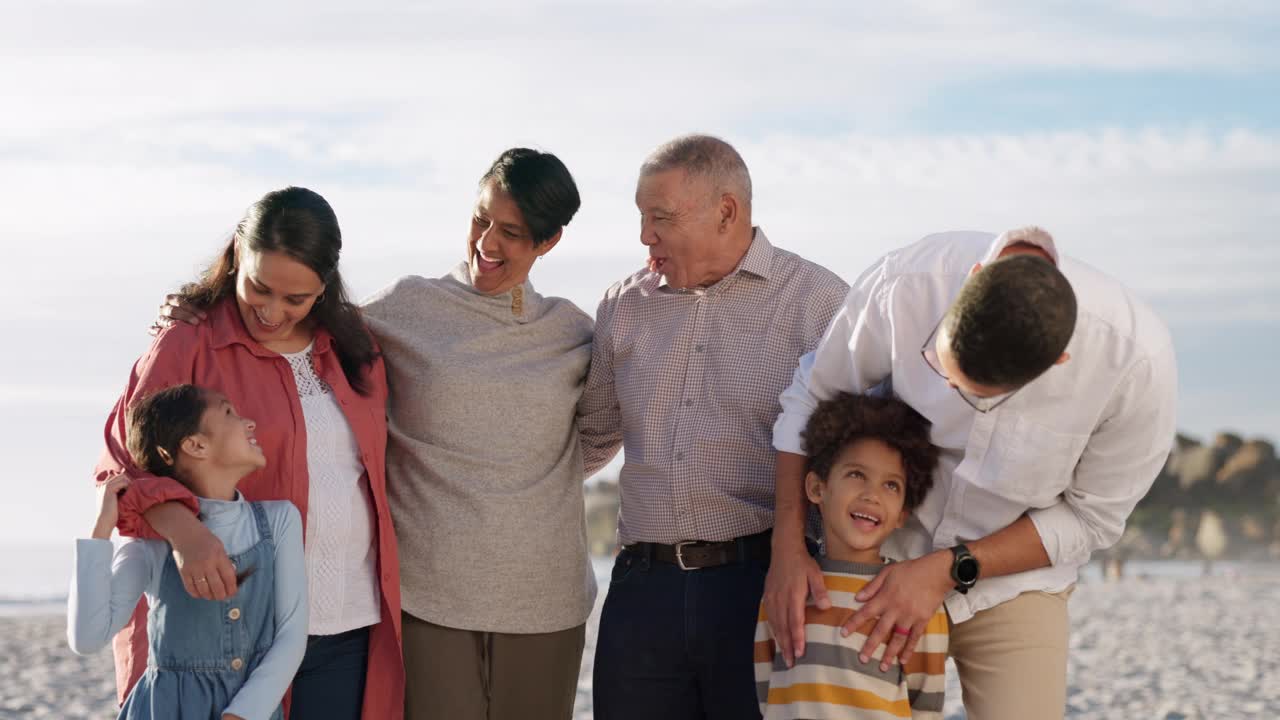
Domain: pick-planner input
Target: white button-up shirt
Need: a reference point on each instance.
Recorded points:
(1075, 449)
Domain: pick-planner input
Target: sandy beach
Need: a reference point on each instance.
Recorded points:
(1173, 648)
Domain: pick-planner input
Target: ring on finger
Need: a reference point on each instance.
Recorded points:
(899, 630)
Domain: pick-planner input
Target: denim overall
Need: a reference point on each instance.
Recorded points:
(201, 651)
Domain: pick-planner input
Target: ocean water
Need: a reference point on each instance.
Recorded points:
(34, 578)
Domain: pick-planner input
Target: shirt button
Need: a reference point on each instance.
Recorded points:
(237, 664)
(679, 456)
(234, 614)
(688, 402)
(697, 348)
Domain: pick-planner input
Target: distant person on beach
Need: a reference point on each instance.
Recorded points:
(870, 465)
(689, 358)
(232, 659)
(484, 459)
(283, 343)
(1051, 391)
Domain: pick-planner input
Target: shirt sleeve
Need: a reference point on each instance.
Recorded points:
(854, 354)
(266, 685)
(599, 415)
(170, 361)
(105, 587)
(1118, 465)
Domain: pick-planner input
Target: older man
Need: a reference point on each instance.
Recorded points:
(1051, 390)
(689, 359)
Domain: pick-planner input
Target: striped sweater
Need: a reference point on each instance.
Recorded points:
(830, 681)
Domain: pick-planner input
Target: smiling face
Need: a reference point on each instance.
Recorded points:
(275, 294)
(500, 250)
(861, 500)
(228, 438)
(680, 226)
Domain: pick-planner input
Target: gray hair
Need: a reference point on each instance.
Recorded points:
(704, 156)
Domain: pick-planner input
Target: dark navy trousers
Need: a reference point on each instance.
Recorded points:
(678, 644)
(330, 683)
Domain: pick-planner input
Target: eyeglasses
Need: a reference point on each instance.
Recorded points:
(981, 404)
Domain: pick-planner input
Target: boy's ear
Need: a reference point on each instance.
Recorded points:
(196, 446)
(813, 488)
(902, 518)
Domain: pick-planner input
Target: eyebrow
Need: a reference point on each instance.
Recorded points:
(511, 227)
(860, 466)
(259, 283)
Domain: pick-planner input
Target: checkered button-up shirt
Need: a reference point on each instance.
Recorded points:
(688, 381)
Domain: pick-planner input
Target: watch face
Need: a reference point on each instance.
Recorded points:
(967, 570)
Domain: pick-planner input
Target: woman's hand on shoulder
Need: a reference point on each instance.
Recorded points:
(207, 572)
(176, 309)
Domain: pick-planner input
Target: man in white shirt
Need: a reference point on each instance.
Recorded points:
(1052, 393)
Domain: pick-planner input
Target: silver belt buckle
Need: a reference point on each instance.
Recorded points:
(680, 546)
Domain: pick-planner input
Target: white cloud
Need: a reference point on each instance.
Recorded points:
(136, 133)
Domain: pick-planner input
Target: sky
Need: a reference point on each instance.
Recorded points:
(1145, 135)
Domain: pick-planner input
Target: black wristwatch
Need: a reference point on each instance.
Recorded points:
(964, 568)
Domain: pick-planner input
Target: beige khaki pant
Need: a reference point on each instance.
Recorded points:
(472, 675)
(1012, 658)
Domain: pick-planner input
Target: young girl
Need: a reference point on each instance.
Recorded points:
(232, 658)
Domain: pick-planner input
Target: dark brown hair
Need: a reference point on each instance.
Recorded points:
(1012, 321)
(847, 418)
(159, 423)
(540, 185)
(299, 223)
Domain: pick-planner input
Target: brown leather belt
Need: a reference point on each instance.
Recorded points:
(696, 554)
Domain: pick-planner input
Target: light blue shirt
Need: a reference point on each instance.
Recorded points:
(108, 581)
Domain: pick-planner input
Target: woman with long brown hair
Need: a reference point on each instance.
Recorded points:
(284, 344)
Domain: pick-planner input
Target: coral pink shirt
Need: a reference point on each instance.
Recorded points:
(221, 355)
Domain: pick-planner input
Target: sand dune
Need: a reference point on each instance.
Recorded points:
(1168, 648)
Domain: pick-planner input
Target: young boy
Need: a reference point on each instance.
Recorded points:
(870, 465)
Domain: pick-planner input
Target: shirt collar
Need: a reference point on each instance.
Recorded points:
(522, 300)
(226, 328)
(1002, 241)
(826, 564)
(757, 261)
(215, 513)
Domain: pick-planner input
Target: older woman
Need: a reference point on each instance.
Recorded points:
(484, 462)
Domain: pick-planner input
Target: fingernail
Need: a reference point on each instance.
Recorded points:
(864, 659)
(884, 667)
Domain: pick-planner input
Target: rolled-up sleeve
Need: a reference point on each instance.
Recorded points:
(855, 354)
(169, 361)
(1118, 465)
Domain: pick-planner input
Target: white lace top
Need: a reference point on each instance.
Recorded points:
(341, 549)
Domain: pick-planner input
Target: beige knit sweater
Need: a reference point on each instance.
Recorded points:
(484, 466)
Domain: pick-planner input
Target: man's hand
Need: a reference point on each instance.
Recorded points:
(793, 576)
(173, 309)
(206, 570)
(903, 595)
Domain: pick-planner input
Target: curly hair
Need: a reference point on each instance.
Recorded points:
(847, 418)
